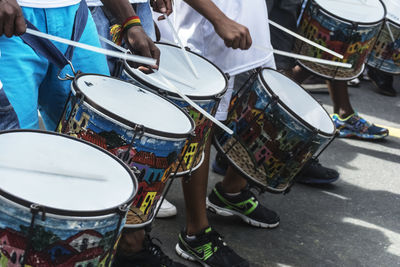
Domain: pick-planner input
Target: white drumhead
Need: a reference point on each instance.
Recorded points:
(210, 82)
(135, 104)
(298, 100)
(61, 172)
(363, 11)
(393, 10)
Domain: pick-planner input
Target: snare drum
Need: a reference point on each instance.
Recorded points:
(145, 130)
(277, 127)
(206, 91)
(348, 27)
(386, 53)
(63, 201)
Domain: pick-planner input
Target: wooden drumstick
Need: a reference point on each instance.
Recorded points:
(125, 56)
(194, 105)
(184, 52)
(164, 71)
(312, 59)
(305, 39)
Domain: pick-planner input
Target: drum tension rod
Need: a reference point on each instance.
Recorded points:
(34, 209)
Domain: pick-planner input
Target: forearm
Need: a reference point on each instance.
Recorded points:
(120, 9)
(207, 9)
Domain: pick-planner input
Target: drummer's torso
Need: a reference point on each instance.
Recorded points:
(197, 33)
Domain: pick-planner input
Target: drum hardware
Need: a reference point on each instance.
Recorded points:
(67, 76)
(35, 209)
(121, 211)
(138, 132)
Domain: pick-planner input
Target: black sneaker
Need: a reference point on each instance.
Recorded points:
(150, 256)
(209, 249)
(383, 82)
(314, 173)
(245, 205)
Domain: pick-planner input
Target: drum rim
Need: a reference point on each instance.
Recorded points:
(133, 125)
(172, 94)
(349, 21)
(336, 78)
(71, 213)
(289, 110)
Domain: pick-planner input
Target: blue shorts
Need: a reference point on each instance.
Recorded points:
(8, 117)
(30, 81)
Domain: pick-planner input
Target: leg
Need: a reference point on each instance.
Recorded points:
(195, 191)
(338, 91)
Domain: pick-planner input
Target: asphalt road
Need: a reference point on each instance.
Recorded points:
(353, 222)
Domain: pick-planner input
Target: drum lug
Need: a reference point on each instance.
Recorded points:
(187, 48)
(228, 76)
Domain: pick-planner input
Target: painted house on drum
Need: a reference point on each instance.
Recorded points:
(84, 249)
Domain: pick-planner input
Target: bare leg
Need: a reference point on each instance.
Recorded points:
(195, 191)
(131, 241)
(299, 74)
(233, 182)
(340, 98)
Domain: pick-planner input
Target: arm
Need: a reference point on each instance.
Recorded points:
(234, 34)
(137, 40)
(12, 21)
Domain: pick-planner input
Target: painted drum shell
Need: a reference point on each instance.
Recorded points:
(354, 40)
(78, 234)
(151, 152)
(271, 143)
(194, 148)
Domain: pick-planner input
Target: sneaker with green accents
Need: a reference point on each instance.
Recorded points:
(245, 205)
(208, 249)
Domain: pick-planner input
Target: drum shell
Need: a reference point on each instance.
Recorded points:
(193, 157)
(152, 156)
(351, 39)
(47, 235)
(273, 145)
(77, 238)
(385, 55)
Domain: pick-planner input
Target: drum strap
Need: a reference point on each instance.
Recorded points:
(47, 49)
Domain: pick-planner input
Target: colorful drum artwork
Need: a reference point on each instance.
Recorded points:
(347, 27)
(277, 128)
(63, 201)
(205, 91)
(386, 53)
(146, 131)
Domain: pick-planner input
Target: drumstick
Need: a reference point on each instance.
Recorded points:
(164, 71)
(188, 100)
(305, 39)
(184, 52)
(312, 59)
(390, 31)
(138, 59)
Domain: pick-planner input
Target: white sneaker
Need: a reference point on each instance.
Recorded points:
(166, 210)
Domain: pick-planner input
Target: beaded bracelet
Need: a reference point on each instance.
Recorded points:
(117, 30)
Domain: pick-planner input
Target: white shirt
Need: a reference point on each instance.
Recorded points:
(47, 3)
(99, 3)
(198, 33)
